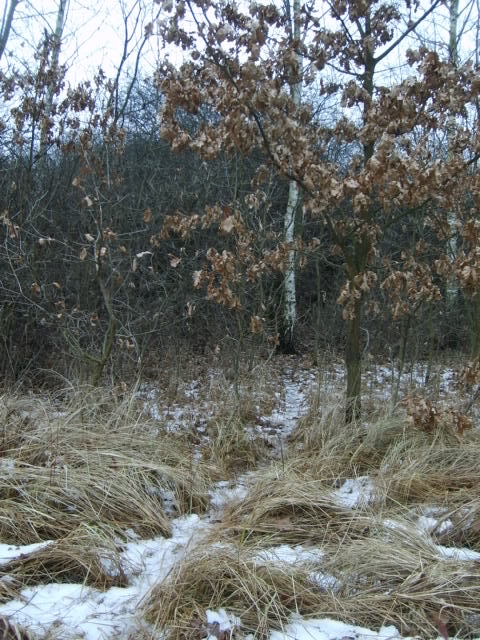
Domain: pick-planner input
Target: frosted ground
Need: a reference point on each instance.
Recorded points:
(68, 611)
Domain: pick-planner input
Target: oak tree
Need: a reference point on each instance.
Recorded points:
(242, 61)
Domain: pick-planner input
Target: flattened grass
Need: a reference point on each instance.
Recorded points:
(82, 472)
(417, 471)
(290, 508)
(38, 504)
(87, 555)
(262, 595)
(402, 578)
(392, 575)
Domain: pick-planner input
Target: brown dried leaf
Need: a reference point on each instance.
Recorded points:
(228, 225)
(197, 278)
(256, 324)
(36, 289)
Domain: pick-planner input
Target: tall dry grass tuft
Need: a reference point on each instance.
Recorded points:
(399, 576)
(87, 555)
(234, 446)
(423, 468)
(37, 503)
(261, 595)
(327, 447)
(85, 471)
(72, 463)
(285, 506)
(322, 446)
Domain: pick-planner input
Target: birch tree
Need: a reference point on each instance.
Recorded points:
(289, 303)
(242, 63)
(7, 19)
(451, 286)
(55, 45)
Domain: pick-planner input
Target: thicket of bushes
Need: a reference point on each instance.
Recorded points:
(88, 281)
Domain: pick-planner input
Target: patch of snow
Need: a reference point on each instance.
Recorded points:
(326, 629)
(293, 403)
(7, 466)
(10, 551)
(286, 554)
(221, 622)
(72, 610)
(325, 581)
(431, 524)
(355, 492)
(289, 555)
(224, 492)
(456, 553)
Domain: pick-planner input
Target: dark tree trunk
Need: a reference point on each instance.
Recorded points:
(353, 364)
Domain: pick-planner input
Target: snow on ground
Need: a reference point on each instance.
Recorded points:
(226, 492)
(294, 401)
(83, 612)
(457, 554)
(326, 629)
(71, 611)
(9, 551)
(355, 492)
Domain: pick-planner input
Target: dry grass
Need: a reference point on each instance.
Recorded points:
(88, 555)
(38, 504)
(262, 595)
(106, 464)
(82, 472)
(420, 468)
(248, 392)
(287, 507)
(234, 447)
(10, 631)
(461, 526)
(220, 414)
(400, 577)
(392, 575)
(331, 449)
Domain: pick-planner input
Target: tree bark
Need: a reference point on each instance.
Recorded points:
(451, 292)
(358, 261)
(353, 365)
(56, 46)
(7, 24)
(289, 288)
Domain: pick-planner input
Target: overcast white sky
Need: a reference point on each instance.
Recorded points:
(94, 34)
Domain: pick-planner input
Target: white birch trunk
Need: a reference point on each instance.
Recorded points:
(7, 24)
(57, 44)
(452, 286)
(290, 298)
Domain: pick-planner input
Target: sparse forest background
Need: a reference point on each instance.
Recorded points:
(113, 207)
